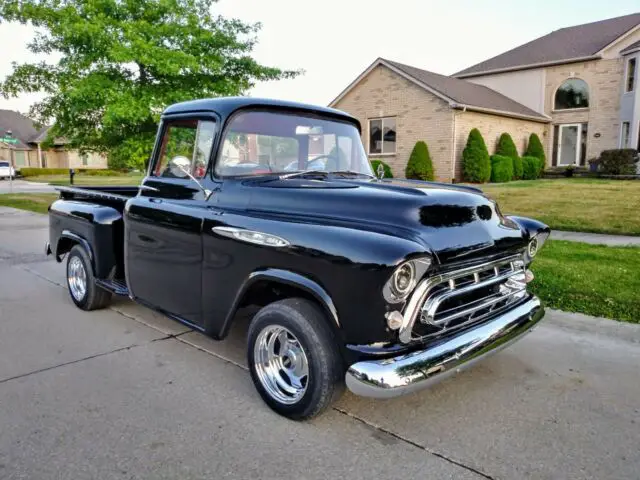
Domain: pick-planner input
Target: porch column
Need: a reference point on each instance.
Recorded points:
(39, 156)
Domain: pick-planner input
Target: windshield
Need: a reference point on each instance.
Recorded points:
(258, 143)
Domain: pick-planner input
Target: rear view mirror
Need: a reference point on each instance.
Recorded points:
(307, 130)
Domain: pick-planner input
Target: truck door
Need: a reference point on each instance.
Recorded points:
(163, 224)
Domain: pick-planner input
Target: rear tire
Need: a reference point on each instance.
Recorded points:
(81, 283)
(294, 360)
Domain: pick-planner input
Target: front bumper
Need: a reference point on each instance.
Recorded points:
(407, 373)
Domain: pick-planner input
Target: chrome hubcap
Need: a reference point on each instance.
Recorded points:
(77, 278)
(281, 364)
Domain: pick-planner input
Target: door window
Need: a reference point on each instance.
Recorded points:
(185, 149)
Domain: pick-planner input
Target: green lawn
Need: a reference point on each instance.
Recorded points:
(592, 279)
(35, 202)
(130, 179)
(585, 205)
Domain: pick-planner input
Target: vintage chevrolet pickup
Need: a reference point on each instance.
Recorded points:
(383, 285)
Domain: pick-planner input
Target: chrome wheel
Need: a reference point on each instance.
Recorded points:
(281, 364)
(77, 278)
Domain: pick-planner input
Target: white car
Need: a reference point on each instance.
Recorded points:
(6, 170)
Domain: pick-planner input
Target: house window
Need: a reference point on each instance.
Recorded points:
(85, 159)
(573, 93)
(631, 75)
(19, 158)
(624, 135)
(382, 136)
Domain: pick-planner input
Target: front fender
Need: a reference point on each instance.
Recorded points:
(530, 226)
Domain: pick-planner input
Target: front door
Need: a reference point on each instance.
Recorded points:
(163, 224)
(569, 144)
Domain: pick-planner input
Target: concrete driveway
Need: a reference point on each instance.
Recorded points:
(22, 186)
(126, 393)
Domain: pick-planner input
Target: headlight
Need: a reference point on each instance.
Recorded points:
(534, 246)
(404, 279)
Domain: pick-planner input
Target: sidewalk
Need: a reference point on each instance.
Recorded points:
(596, 238)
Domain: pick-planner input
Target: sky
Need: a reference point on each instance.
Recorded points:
(333, 41)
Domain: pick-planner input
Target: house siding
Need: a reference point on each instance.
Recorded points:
(419, 115)
(491, 127)
(604, 78)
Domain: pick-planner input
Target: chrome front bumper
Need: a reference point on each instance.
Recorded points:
(407, 373)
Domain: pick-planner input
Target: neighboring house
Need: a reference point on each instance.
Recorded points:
(577, 88)
(21, 144)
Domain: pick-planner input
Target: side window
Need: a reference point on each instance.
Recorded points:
(186, 147)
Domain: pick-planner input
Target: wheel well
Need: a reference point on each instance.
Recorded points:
(65, 244)
(264, 292)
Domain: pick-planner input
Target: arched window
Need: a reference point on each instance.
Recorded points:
(573, 93)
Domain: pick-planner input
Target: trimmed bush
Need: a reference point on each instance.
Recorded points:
(501, 168)
(530, 168)
(535, 149)
(99, 172)
(419, 166)
(387, 169)
(619, 161)
(517, 168)
(476, 165)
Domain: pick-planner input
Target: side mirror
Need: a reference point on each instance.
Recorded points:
(179, 166)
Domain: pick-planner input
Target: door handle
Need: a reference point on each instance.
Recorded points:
(149, 188)
(155, 200)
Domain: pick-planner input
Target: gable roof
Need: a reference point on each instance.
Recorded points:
(459, 94)
(571, 44)
(20, 126)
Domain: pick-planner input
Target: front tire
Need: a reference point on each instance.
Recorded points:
(81, 283)
(293, 358)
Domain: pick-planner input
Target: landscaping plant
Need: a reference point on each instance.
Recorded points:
(501, 168)
(387, 169)
(535, 149)
(620, 161)
(420, 166)
(476, 165)
(507, 148)
(530, 168)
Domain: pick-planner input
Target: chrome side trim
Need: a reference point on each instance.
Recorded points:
(251, 236)
(414, 306)
(411, 372)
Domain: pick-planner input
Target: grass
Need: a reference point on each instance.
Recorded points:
(131, 179)
(583, 205)
(592, 279)
(34, 202)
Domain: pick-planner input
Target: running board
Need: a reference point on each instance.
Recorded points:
(117, 286)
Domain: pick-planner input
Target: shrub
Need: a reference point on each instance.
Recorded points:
(535, 149)
(530, 168)
(506, 148)
(517, 168)
(387, 169)
(501, 168)
(476, 165)
(100, 172)
(620, 161)
(420, 166)
(32, 172)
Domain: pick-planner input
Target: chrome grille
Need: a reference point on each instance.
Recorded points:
(454, 299)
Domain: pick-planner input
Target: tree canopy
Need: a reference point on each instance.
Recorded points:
(121, 62)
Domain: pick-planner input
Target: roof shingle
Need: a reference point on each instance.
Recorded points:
(467, 93)
(566, 44)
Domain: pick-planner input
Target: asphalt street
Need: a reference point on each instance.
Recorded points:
(22, 186)
(127, 393)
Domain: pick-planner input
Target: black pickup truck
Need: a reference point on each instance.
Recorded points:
(383, 285)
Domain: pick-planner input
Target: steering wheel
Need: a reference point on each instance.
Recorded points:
(327, 166)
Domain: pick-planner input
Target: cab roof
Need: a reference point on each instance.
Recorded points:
(225, 106)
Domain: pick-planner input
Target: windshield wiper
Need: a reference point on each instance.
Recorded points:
(303, 172)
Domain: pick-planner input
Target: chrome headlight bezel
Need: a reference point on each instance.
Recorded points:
(396, 289)
(533, 247)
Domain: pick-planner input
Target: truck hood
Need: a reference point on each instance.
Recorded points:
(455, 223)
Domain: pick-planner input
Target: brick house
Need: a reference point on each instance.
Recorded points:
(577, 88)
(21, 143)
